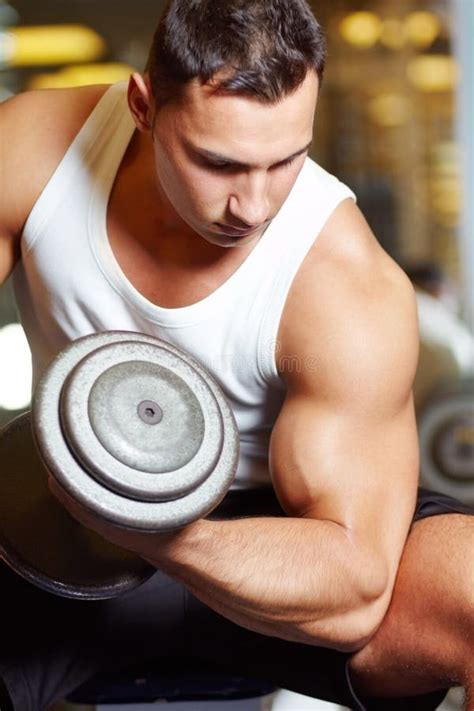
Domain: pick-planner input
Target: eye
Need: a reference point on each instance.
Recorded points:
(285, 163)
(220, 166)
(288, 163)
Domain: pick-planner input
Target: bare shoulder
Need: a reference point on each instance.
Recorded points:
(351, 311)
(37, 128)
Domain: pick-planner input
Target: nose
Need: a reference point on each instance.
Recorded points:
(249, 203)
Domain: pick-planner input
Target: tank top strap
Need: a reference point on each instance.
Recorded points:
(107, 121)
(314, 198)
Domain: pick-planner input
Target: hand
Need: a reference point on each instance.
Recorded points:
(149, 546)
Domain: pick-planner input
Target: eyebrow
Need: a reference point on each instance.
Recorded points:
(218, 158)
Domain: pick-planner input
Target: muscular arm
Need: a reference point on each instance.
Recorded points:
(344, 464)
(9, 220)
(36, 129)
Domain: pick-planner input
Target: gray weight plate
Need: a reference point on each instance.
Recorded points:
(155, 436)
(42, 543)
(446, 434)
(452, 448)
(100, 407)
(133, 499)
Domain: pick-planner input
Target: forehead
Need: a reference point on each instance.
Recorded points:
(239, 125)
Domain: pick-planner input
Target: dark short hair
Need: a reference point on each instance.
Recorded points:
(263, 48)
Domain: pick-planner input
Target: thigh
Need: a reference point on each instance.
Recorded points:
(428, 630)
(312, 671)
(436, 574)
(440, 547)
(51, 645)
(421, 608)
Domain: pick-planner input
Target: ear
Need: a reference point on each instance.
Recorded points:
(140, 101)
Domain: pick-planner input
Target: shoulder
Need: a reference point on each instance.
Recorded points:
(37, 128)
(351, 310)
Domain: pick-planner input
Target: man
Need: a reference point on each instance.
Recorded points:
(195, 215)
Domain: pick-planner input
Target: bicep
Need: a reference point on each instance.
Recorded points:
(359, 473)
(8, 203)
(36, 129)
(345, 447)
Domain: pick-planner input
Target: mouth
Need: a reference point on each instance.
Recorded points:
(236, 231)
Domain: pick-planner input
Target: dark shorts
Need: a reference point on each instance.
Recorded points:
(51, 645)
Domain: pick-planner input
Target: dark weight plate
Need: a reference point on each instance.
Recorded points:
(42, 543)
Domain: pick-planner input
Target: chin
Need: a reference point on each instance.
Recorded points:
(231, 242)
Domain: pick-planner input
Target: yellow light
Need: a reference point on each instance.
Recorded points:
(447, 204)
(361, 29)
(446, 158)
(393, 34)
(433, 72)
(50, 44)
(389, 110)
(448, 185)
(422, 28)
(82, 75)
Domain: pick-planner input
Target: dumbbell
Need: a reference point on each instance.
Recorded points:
(446, 433)
(138, 432)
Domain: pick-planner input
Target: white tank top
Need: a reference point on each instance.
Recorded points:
(68, 283)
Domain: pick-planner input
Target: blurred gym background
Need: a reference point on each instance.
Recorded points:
(395, 122)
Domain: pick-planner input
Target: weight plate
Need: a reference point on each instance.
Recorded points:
(453, 448)
(76, 369)
(446, 435)
(42, 543)
(120, 422)
(107, 434)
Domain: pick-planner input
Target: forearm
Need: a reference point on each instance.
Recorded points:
(297, 579)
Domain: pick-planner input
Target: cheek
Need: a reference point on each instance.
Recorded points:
(281, 185)
(205, 191)
(284, 180)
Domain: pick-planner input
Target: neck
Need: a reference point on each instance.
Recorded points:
(138, 165)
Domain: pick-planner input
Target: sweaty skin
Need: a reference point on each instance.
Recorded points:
(343, 454)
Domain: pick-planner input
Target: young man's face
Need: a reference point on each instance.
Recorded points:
(227, 163)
